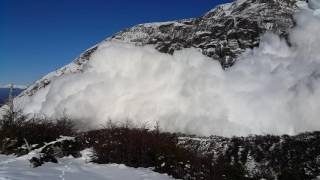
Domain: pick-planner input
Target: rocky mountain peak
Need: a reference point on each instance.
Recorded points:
(223, 33)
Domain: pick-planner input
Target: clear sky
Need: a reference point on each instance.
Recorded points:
(39, 36)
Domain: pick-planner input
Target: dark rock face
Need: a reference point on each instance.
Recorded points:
(223, 33)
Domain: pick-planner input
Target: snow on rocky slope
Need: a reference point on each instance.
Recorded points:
(127, 76)
(264, 157)
(223, 33)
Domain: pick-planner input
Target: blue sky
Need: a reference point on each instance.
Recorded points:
(39, 36)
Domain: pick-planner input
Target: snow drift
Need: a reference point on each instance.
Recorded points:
(14, 168)
(271, 89)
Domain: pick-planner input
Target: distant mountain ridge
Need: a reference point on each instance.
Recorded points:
(5, 89)
(14, 86)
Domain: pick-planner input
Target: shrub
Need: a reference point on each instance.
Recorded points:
(17, 130)
(139, 147)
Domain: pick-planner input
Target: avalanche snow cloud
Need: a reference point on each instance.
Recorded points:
(271, 89)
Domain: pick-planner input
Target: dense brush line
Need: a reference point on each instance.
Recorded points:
(276, 157)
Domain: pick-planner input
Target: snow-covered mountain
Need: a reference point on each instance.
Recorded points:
(237, 70)
(223, 33)
(280, 94)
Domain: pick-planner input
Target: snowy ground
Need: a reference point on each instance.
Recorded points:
(13, 168)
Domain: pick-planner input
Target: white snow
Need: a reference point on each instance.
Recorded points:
(225, 9)
(13, 168)
(3, 110)
(203, 32)
(251, 165)
(156, 24)
(36, 152)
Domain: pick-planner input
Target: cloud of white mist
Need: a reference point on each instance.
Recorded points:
(314, 4)
(271, 89)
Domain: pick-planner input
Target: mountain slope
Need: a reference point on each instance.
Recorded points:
(222, 34)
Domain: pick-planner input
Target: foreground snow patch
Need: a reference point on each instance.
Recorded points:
(13, 168)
